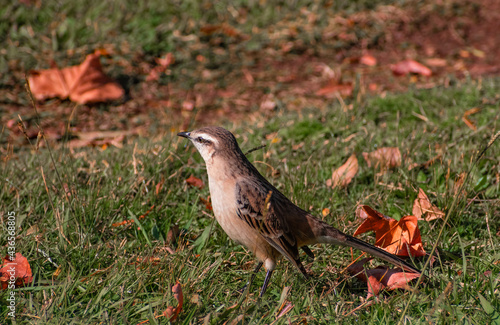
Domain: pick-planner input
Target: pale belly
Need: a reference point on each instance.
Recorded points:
(224, 209)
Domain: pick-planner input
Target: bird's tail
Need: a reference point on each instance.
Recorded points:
(331, 235)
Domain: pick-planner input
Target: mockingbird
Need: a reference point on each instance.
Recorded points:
(255, 214)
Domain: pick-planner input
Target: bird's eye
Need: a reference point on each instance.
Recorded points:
(201, 140)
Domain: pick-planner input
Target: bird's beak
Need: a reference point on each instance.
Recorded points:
(186, 135)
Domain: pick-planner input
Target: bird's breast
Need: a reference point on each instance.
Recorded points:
(223, 199)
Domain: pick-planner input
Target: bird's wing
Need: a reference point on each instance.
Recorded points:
(259, 207)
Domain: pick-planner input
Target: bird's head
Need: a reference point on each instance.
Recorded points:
(213, 142)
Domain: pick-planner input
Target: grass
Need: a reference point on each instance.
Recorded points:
(88, 271)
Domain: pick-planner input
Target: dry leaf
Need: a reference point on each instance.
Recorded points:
(436, 62)
(173, 234)
(207, 202)
(84, 83)
(194, 181)
(163, 64)
(381, 278)
(172, 312)
(466, 119)
(100, 138)
(397, 237)
(383, 158)
(15, 271)
(345, 173)
(333, 88)
(423, 207)
(368, 60)
(410, 66)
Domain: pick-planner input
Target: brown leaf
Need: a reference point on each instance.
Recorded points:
(343, 175)
(410, 66)
(84, 83)
(15, 272)
(383, 158)
(423, 207)
(207, 202)
(163, 64)
(466, 119)
(381, 277)
(172, 312)
(194, 181)
(173, 234)
(397, 237)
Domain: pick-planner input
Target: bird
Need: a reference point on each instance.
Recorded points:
(258, 216)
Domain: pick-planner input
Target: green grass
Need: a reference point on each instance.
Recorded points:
(95, 277)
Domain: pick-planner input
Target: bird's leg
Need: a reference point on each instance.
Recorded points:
(266, 282)
(308, 252)
(254, 273)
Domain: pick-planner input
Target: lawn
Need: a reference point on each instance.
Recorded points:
(109, 229)
(86, 269)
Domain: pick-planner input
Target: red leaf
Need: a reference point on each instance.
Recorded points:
(84, 83)
(381, 277)
(194, 181)
(410, 66)
(15, 271)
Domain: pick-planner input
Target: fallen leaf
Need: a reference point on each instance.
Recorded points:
(222, 28)
(436, 62)
(100, 138)
(423, 207)
(383, 158)
(84, 83)
(173, 234)
(397, 237)
(333, 88)
(15, 271)
(466, 119)
(172, 312)
(368, 60)
(410, 66)
(207, 202)
(381, 277)
(343, 175)
(194, 181)
(163, 64)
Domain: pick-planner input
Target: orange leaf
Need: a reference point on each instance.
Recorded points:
(466, 119)
(345, 173)
(381, 278)
(422, 206)
(15, 271)
(84, 83)
(397, 237)
(194, 181)
(410, 66)
(333, 88)
(368, 60)
(383, 158)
